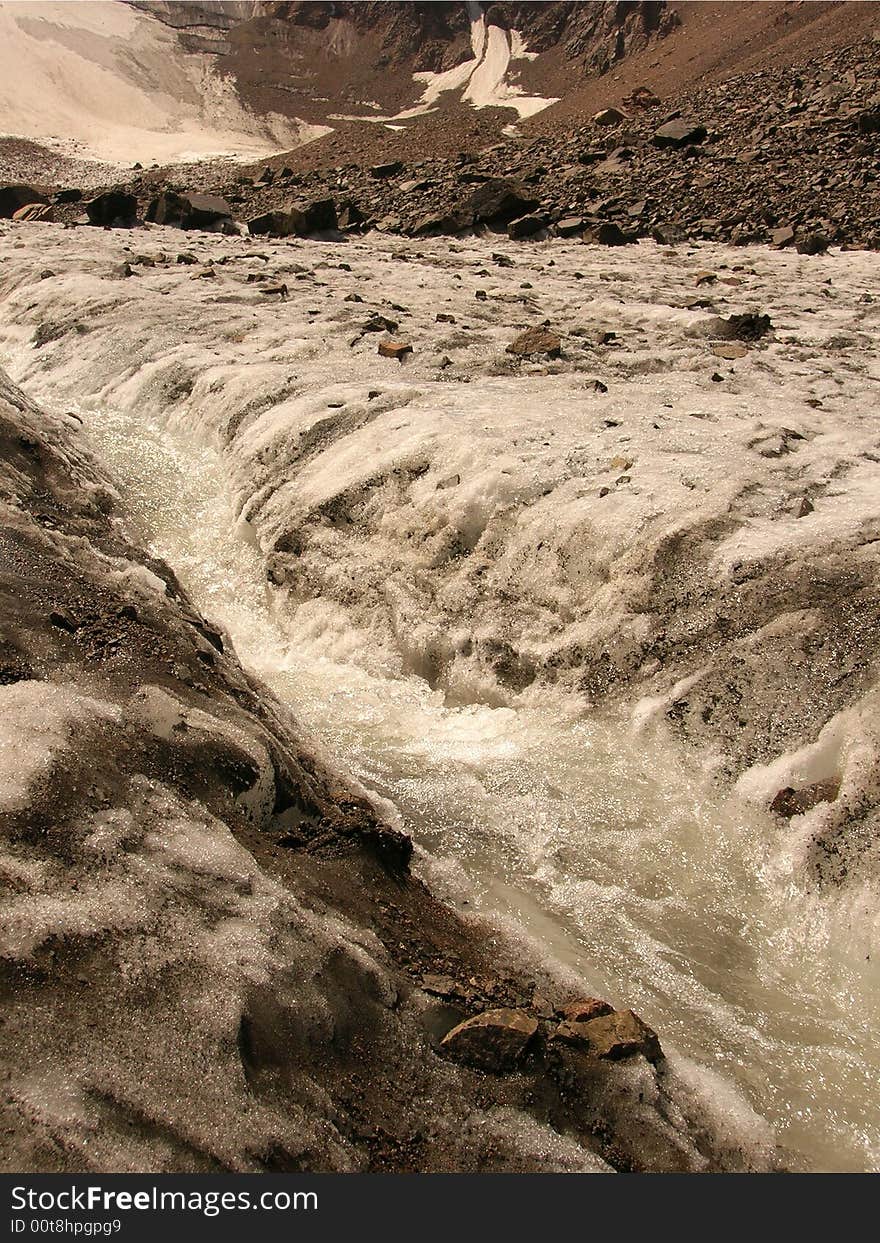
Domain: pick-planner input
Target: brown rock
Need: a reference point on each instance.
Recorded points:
(536, 341)
(395, 349)
(35, 211)
(729, 349)
(613, 1036)
(790, 802)
(494, 1040)
(584, 1009)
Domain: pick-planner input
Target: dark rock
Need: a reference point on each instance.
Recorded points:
(391, 169)
(314, 216)
(679, 134)
(812, 244)
(869, 121)
(115, 209)
(535, 341)
(12, 198)
(495, 1040)
(526, 226)
(271, 224)
(569, 226)
(349, 215)
(668, 234)
(610, 234)
(190, 211)
(379, 323)
(69, 196)
(750, 326)
(498, 201)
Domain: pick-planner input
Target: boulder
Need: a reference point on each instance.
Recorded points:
(610, 234)
(190, 211)
(569, 226)
(495, 1040)
(613, 1036)
(35, 211)
(498, 202)
(434, 224)
(113, 209)
(271, 224)
(526, 226)
(69, 196)
(536, 341)
(812, 244)
(349, 215)
(608, 116)
(679, 133)
(782, 237)
(13, 198)
(314, 216)
(668, 234)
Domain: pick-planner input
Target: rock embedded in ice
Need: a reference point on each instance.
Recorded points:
(536, 341)
(494, 1040)
(791, 802)
(812, 244)
(610, 234)
(395, 349)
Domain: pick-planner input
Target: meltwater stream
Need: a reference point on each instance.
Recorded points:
(598, 848)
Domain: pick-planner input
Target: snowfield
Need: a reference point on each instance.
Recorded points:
(101, 80)
(536, 597)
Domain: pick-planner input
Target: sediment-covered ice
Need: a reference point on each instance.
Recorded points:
(642, 523)
(617, 540)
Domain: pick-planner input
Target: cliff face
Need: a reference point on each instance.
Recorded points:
(266, 45)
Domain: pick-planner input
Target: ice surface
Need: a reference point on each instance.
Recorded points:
(448, 568)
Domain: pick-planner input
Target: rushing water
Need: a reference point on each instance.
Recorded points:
(601, 849)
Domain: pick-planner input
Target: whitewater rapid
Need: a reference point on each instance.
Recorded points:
(603, 853)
